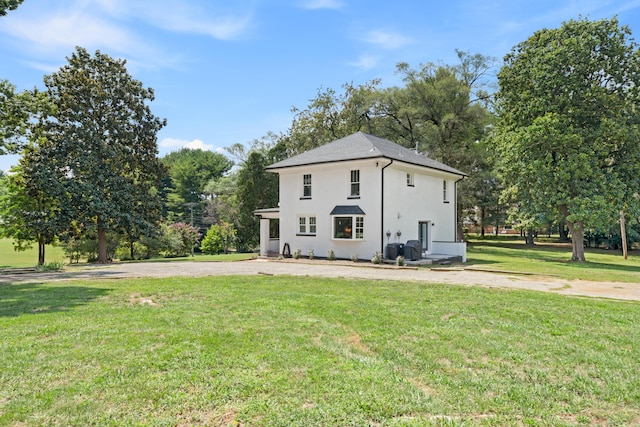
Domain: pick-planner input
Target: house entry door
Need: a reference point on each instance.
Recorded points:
(424, 235)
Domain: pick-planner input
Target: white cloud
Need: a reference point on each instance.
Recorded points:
(116, 27)
(365, 62)
(386, 40)
(322, 4)
(64, 31)
(196, 144)
(182, 17)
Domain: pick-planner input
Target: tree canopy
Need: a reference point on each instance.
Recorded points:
(17, 109)
(567, 139)
(7, 5)
(189, 173)
(101, 144)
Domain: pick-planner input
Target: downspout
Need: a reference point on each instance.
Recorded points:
(455, 207)
(382, 209)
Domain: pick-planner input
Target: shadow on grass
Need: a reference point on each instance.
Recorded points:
(503, 251)
(33, 298)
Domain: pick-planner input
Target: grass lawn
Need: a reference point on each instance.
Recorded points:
(547, 258)
(10, 258)
(29, 258)
(281, 351)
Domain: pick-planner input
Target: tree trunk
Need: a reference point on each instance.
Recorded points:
(528, 238)
(102, 246)
(41, 250)
(131, 251)
(562, 231)
(577, 241)
(577, 235)
(623, 234)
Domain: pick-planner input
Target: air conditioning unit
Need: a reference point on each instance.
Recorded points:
(394, 250)
(413, 250)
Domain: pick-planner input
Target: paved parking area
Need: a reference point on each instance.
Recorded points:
(336, 269)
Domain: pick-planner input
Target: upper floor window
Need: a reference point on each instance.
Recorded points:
(355, 183)
(306, 186)
(410, 180)
(444, 191)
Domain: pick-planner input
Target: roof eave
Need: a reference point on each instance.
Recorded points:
(276, 169)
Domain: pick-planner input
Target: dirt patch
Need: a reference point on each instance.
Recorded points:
(137, 299)
(355, 341)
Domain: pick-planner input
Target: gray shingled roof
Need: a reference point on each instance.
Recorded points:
(359, 146)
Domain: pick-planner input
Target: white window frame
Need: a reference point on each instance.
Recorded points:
(355, 183)
(307, 225)
(356, 229)
(444, 191)
(306, 186)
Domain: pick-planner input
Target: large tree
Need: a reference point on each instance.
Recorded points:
(257, 189)
(568, 139)
(190, 171)
(101, 141)
(30, 207)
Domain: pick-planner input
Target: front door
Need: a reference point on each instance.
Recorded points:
(424, 236)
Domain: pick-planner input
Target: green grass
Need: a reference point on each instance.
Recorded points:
(547, 258)
(9, 258)
(29, 258)
(281, 351)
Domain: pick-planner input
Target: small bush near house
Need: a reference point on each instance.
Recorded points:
(296, 254)
(331, 256)
(400, 261)
(354, 258)
(377, 258)
(310, 254)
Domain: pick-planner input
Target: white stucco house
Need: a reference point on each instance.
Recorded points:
(358, 195)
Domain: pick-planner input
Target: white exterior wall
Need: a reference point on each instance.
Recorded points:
(330, 186)
(406, 206)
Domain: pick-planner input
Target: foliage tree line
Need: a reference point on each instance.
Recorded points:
(557, 145)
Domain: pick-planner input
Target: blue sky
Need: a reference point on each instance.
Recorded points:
(230, 71)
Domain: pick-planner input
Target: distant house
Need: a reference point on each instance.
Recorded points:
(356, 196)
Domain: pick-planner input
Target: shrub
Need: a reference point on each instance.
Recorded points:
(400, 260)
(212, 242)
(310, 254)
(354, 257)
(377, 258)
(51, 266)
(331, 255)
(297, 253)
(179, 239)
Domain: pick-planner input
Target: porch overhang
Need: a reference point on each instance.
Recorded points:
(269, 213)
(347, 210)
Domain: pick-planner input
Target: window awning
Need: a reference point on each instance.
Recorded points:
(347, 210)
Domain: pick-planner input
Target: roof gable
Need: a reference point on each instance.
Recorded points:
(360, 146)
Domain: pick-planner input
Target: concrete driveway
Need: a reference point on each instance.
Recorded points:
(336, 269)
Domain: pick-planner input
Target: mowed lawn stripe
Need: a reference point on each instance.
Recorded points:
(306, 351)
